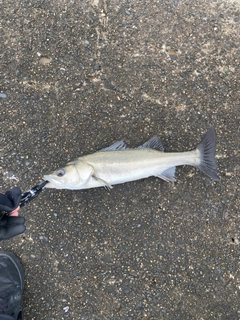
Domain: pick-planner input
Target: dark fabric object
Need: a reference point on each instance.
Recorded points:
(11, 286)
(10, 226)
(10, 200)
(6, 317)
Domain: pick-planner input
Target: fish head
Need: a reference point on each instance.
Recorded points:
(63, 178)
(73, 176)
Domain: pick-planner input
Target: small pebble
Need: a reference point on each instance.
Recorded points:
(66, 309)
(3, 95)
(97, 67)
(45, 60)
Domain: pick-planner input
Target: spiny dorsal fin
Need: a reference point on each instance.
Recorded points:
(153, 143)
(119, 145)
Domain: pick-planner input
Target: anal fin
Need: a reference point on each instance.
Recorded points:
(168, 175)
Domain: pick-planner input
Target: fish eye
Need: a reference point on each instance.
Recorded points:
(61, 172)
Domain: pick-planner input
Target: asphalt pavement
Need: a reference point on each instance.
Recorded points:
(77, 76)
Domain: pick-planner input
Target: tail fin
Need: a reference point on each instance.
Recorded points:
(206, 147)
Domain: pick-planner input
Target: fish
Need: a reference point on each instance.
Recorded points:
(119, 164)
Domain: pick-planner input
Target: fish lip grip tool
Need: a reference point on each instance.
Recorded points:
(29, 195)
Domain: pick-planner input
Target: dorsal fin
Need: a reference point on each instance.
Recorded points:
(153, 143)
(119, 145)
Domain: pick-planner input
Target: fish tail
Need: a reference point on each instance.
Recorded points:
(207, 149)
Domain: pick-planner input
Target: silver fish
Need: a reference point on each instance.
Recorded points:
(118, 164)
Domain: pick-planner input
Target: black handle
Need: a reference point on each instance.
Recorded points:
(28, 196)
(32, 193)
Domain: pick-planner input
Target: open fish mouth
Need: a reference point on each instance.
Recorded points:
(50, 180)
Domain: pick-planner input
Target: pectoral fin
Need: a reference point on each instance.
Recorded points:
(105, 183)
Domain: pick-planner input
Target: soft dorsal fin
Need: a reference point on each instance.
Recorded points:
(153, 143)
(119, 145)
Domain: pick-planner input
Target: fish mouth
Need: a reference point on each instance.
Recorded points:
(52, 183)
